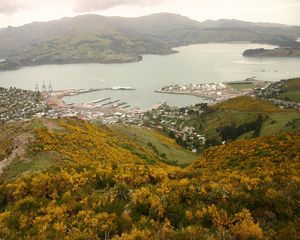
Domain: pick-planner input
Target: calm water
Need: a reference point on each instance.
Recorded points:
(202, 63)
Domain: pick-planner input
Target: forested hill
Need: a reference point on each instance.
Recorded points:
(95, 38)
(78, 180)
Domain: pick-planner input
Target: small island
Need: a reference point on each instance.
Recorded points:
(276, 52)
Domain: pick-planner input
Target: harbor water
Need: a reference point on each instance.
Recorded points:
(203, 63)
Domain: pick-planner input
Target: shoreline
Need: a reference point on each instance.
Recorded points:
(172, 50)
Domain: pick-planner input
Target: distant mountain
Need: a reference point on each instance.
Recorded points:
(238, 23)
(274, 29)
(100, 39)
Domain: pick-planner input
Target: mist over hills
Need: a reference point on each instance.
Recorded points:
(100, 39)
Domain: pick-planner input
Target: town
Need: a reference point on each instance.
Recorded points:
(17, 104)
(177, 123)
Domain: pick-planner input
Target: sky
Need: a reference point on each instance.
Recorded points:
(20, 12)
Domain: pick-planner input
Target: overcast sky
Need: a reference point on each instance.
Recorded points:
(19, 12)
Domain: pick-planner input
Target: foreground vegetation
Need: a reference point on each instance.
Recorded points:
(102, 185)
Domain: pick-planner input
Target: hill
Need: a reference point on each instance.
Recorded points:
(100, 39)
(36, 145)
(239, 118)
(104, 186)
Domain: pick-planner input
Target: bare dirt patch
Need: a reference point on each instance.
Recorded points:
(18, 150)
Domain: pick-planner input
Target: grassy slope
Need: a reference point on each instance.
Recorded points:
(41, 162)
(246, 109)
(292, 89)
(247, 104)
(173, 152)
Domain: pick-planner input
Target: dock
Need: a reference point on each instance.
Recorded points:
(101, 100)
(121, 104)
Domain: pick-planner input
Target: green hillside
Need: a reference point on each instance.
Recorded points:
(164, 146)
(242, 110)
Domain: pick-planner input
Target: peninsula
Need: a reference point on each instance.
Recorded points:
(217, 92)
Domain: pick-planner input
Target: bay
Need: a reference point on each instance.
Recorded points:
(203, 63)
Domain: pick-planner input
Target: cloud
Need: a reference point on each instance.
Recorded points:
(8, 7)
(97, 5)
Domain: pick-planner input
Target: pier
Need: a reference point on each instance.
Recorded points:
(121, 104)
(127, 106)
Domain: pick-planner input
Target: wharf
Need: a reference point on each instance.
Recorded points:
(109, 103)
